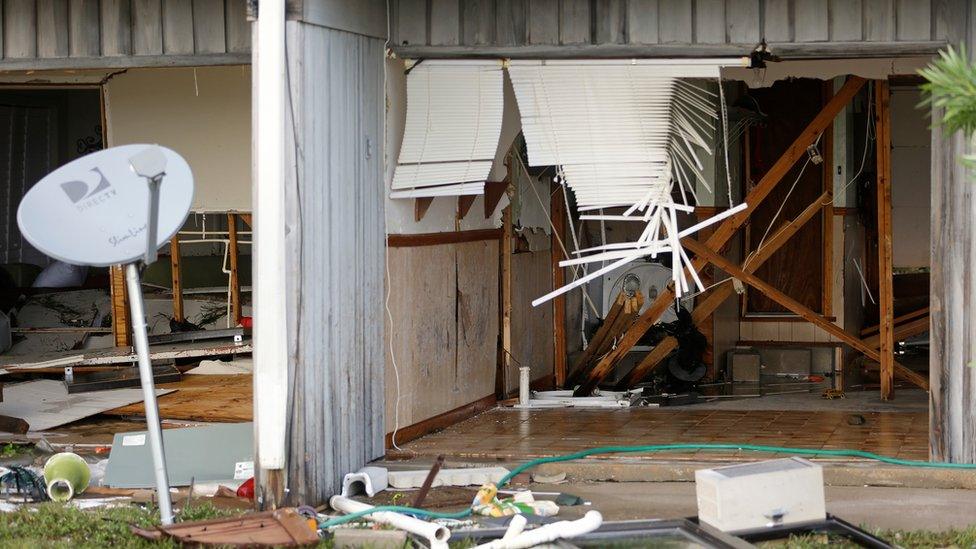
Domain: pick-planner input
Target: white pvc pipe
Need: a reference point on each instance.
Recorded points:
(270, 342)
(564, 529)
(524, 385)
(141, 341)
(436, 534)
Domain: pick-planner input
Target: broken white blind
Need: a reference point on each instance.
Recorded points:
(453, 123)
(622, 133)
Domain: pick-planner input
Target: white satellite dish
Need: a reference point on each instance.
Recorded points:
(94, 210)
(110, 208)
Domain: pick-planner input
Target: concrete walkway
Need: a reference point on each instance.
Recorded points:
(875, 507)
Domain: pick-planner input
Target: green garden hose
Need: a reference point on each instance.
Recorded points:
(651, 448)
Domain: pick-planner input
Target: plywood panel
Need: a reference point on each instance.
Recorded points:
(178, 26)
(147, 27)
(116, 31)
(52, 28)
(445, 29)
(544, 22)
(83, 38)
(710, 21)
(674, 21)
(845, 20)
(423, 333)
(642, 16)
(511, 19)
(201, 398)
(531, 326)
(742, 21)
(810, 18)
(477, 321)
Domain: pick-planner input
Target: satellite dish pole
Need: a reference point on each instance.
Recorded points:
(90, 212)
(151, 165)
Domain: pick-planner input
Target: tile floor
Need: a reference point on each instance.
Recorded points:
(508, 433)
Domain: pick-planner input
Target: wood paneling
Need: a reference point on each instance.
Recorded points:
(83, 23)
(52, 28)
(531, 326)
(208, 26)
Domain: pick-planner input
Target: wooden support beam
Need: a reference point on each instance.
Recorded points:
(464, 205)
(494, 190)
(121, 327)
(728, 228)
(901, 331)
(886, 298)
(176, 274)
(557, 213)
(718, 295)
(235, 280)
(246, 218)
(924, 311)
(505, 304)
(796, 307)
(420, 207)
(620, 316)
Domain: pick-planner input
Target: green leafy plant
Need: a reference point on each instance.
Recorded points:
(951, 86)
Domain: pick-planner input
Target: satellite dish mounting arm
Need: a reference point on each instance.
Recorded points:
(150, 163)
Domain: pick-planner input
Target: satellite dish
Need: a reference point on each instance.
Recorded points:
(95, 210)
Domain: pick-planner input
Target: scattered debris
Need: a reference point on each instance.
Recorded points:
(486, 503)
(435, 534)
(229, 451)
(556, 478)
(66, 475)
(358, 538)
(22, 482)
(369, 480)
(472, 476)
(280, 528)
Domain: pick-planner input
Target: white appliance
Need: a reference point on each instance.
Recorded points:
(761, 494)
(649, 278)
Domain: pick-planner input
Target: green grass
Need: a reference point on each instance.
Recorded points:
(52, 525)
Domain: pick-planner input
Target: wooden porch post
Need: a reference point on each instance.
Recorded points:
(557, 211)
(882, 124)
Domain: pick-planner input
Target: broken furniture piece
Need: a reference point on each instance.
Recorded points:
(279, 528)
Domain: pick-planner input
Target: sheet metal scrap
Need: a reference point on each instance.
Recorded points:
(279, 528)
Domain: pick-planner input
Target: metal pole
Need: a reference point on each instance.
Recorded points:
(148, 391)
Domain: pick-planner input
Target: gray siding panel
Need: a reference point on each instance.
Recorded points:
(795, 28)
(52, 28)
(642, 18)
(96, 34)
(845, 20)
(742, 21)
(445, 23)
(337, 275)
(674, 22)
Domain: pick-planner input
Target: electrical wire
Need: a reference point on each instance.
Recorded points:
(813, 452)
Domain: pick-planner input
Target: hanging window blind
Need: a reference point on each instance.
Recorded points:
(453, 123)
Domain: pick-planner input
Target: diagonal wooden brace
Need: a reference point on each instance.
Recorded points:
(709, 304)
(798, 308)
(728, 228)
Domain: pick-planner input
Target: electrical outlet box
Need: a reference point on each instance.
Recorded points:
(760, 495)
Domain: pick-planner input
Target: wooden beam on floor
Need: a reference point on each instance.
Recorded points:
(621, 315)
(797, 308)
(176, 274)
(557, 213)
(235, 278)
(121, 327)
(707, 306)
(886, 298)
(728, 228)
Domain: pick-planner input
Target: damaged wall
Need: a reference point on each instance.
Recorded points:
(444, 329)
(202, 113)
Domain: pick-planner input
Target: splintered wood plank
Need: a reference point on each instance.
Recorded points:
(120, 308)
(235, 280)
(886, 296)
(557, 210)
(201, 398)
(176, 273)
